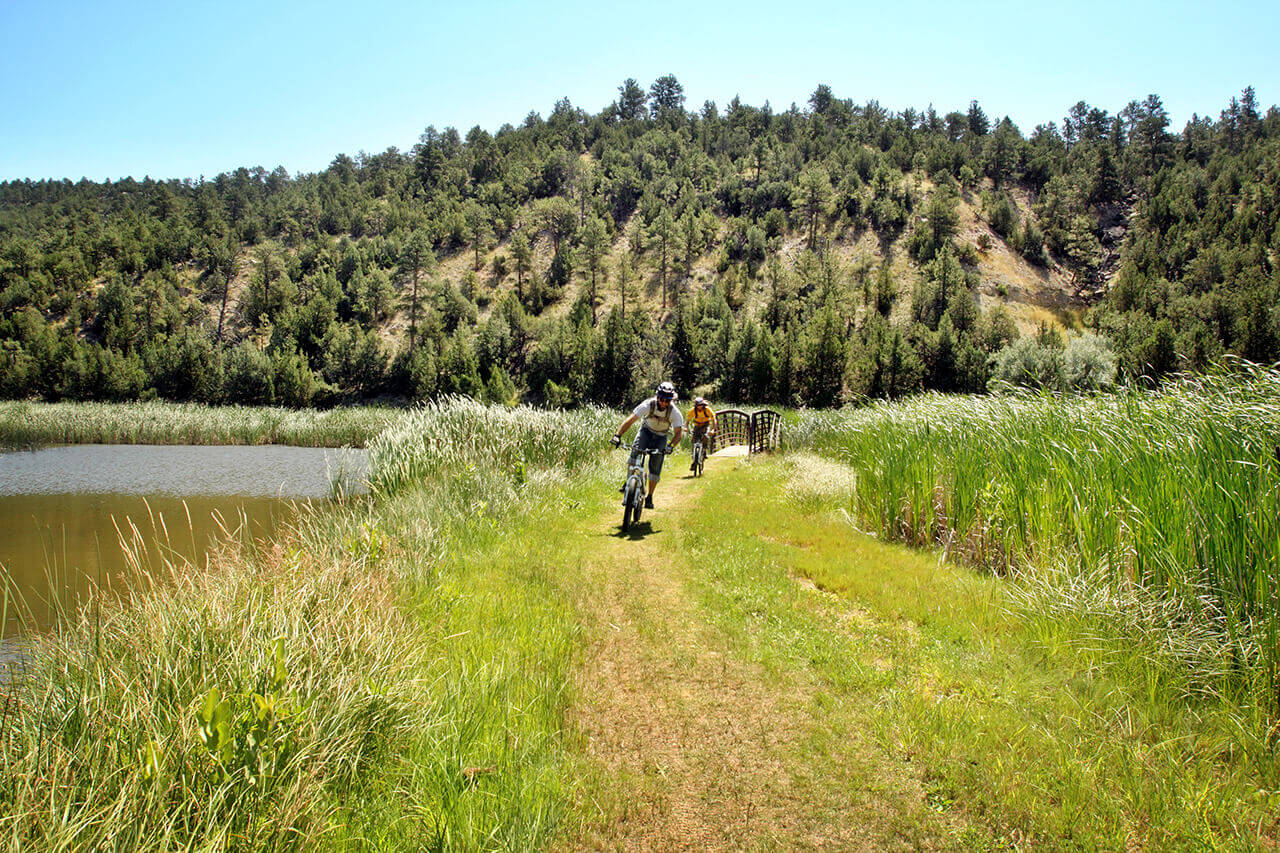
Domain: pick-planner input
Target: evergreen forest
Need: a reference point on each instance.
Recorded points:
(827, 253)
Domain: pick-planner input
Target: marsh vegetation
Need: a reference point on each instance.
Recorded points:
(1077, 657)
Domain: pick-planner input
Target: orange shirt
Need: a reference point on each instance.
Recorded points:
(706, 416)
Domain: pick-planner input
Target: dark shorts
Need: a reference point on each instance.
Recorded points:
(647, 439)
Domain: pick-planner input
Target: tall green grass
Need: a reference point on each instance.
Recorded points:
(390, 674)
(25, 424)
(1174, 493)
(443, 442)
(235, 708)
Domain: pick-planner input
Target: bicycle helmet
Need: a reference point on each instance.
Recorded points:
(701, 401)
(666, 391)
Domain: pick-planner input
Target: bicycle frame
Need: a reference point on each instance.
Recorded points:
(633, 489)
(698, 451)
(639, 468)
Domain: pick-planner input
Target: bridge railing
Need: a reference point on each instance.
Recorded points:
(759, 431)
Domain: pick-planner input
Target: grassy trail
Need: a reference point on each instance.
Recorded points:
(692, 744)
(758, 675)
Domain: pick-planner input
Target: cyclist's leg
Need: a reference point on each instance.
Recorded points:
(655, 468)
(644, 440)
(655, 474)
(649, 440)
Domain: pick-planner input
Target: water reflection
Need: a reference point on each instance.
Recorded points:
(76, 518)
(131, 469)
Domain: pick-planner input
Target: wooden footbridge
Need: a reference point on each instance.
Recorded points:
(758, 432)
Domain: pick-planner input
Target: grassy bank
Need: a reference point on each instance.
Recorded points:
(26, 425)
(1161, 508)
(391, 674)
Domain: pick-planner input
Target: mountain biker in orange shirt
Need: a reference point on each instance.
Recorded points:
(703, 419)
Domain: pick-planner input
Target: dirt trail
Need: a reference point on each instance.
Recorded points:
(690, 739)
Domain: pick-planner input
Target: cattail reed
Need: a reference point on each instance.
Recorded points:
(1175, 491)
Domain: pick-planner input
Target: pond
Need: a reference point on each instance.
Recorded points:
(75, 518)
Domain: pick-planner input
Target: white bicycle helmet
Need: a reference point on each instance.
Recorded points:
(666, 391)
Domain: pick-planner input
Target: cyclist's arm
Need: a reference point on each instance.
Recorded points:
(675, 435)
(626, 425)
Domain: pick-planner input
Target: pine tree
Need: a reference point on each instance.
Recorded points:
(459, 370)
(664, 229)
(825, 354)
(415, 259)
(595, 243)
(690, 231)
(631, 100)
(522, 255)
(786, 372)
(813, 198)
(684, 360)
(885, 292)
(737, 379)
(764, 368)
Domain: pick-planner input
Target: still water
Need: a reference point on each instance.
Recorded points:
(90, 516)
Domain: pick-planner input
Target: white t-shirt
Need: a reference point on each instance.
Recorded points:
(660, 421)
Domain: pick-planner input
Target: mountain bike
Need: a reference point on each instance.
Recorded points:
(699, 452)
(634, 491)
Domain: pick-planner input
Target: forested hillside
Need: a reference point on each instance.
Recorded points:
(809, 256)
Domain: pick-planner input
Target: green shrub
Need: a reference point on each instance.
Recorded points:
(1028, 363)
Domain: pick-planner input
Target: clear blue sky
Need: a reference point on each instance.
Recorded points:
(183, 89)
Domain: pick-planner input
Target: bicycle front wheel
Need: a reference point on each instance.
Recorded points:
(629, 499)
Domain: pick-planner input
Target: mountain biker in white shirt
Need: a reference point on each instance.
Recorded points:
(658, 418)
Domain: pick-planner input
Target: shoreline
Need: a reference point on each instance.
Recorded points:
(26, 425)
